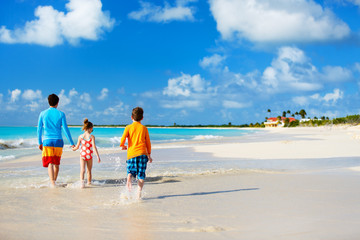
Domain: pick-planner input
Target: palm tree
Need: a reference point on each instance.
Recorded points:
(269, 112)
(279, 119)
(287, 122)
(284, 114)
(302, 113)
(288, 112)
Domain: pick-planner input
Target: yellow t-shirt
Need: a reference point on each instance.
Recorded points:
(138, 140)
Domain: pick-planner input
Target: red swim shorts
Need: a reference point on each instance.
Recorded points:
(52, 151)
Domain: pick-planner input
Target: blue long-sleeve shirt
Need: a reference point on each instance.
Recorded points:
(51, 121)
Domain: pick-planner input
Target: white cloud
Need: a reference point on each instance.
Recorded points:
(84, 20)
(11, 107)
(103, 94)
(212, 61)
(85, 97)
(115, 110)
(1, 98)
(30, 94)
(234, 104)
(357, 67)
(33, 106)
(151, 94)
(277, 21)
(301, 100)
(249, 80)
(152, 13)
(185, 85)
(182, 104)
(64, 100)
(84, 101)
(336, 95)
(327, 98)
(15, 94)
(291, 70)
(356, 2)
(74, 101)
(336, 74)
(73, 93)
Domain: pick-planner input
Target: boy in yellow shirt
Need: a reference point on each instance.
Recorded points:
(138, 150)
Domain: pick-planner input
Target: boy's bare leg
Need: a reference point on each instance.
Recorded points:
(89, 167)
(128, 182)
(51, 175)
(140, 185)
(82, 172)
(56, 171)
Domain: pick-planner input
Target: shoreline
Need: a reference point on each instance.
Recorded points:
(289, 139)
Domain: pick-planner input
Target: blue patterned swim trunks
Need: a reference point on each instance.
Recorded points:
(137, 166)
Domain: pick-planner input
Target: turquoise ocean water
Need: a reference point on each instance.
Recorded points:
(22, 141)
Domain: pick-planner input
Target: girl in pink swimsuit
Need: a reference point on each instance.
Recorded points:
(87, 142)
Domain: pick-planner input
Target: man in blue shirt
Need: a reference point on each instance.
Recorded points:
(51, 121)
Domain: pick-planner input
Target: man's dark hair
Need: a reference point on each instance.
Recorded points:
(53, 100)
(137, 114)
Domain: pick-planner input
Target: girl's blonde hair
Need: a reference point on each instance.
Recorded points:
(87, 125)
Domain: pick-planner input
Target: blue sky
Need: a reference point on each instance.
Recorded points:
(183, 61)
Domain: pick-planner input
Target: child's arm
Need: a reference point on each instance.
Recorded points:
(96, 151)
(77, 145)
(123, 138)
(148, 145)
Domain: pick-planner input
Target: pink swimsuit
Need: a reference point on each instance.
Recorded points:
(86, 149)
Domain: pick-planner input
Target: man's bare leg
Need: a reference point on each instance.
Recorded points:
(56, 171)
(51, 175)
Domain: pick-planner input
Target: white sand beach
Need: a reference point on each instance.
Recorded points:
(300, 183)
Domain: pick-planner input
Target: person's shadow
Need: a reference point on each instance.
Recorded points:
(201, 193)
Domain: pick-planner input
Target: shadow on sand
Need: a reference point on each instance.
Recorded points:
(202, 193)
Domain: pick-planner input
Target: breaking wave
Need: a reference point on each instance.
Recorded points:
(18, 143)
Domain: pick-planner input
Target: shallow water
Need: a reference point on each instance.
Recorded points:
(18, 142)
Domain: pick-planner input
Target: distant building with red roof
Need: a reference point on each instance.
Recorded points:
(275, 122)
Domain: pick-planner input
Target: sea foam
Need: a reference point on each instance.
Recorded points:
(2, 158)
(18, 143)
(206, 137)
